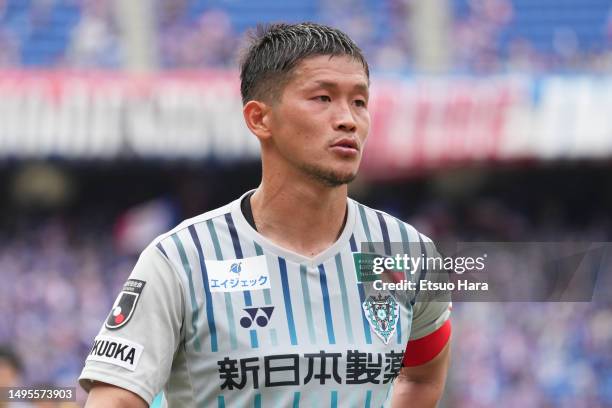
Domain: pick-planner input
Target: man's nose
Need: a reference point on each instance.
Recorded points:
(344, 119)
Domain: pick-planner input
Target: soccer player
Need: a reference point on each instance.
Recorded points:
(259, 303)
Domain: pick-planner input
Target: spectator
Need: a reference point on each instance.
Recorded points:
(11, 370)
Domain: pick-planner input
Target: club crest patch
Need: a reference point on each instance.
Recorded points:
(383, 314)
(124, 305)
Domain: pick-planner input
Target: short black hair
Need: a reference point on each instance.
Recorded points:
(275, 49)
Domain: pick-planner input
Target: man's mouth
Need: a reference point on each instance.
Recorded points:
(347, 143)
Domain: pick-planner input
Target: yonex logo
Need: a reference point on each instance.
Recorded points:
(262, 321)
(236, 267)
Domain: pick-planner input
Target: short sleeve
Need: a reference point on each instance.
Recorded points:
(429, 317)
(136, 345)
(431, 308)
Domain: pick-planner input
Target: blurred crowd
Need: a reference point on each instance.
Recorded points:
(64, 275)
(59, 33)
(483, 36)
(58, 283)
(532, 37)
(531, 355)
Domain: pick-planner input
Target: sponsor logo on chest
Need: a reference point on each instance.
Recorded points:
(235, 275)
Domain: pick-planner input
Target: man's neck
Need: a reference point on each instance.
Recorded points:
(304, 218)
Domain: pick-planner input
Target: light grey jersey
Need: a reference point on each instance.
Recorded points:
(214, 314)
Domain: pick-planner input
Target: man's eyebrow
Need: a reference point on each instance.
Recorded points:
(360, 87)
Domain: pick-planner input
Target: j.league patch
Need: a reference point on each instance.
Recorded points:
(124, 306)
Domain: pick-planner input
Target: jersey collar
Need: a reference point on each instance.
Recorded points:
(278, 250)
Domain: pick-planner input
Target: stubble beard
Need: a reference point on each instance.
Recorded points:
(328, 178)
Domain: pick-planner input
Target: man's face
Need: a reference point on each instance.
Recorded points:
(321, 121)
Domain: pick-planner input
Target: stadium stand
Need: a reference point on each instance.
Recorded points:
(506, 35)
(38, 34)
(487, 35)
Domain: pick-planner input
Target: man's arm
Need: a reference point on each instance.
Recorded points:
(104, 395)
(145, 343)
(421, 386)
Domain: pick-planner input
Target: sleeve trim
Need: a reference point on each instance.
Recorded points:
(90, 374)
(425, 349)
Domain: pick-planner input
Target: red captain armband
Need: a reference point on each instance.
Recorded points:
(422, 350)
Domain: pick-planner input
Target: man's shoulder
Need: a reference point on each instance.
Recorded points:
(192, 222)
(369, 213)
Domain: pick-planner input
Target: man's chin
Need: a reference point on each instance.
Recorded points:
(330, 178)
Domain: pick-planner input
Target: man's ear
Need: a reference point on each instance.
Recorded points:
(257, 116)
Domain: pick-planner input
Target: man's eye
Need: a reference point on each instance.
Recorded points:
(323, 98)
(360, 102)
